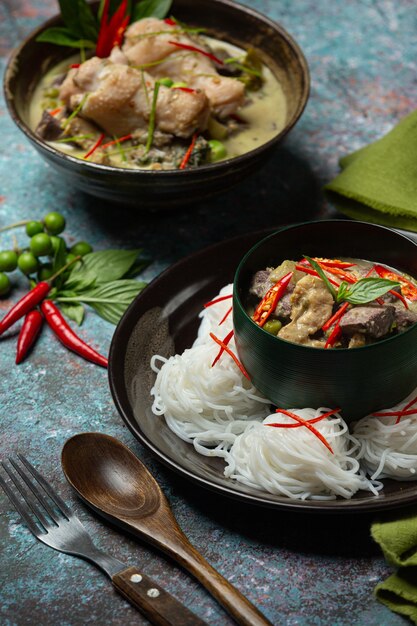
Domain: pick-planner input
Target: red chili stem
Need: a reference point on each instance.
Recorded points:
(230, 353)
(339, 313)
(96, 145)
(28, 334)
(308, 270)
(111, 143)
(334, 335)
(195, 49)
(24, 305)
(224, 318)
(225, 342)
(189, 152)
(308, 425)
(67, 336)
(270, 300)
(217, 300)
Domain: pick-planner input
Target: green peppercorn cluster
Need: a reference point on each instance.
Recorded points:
(37, 257)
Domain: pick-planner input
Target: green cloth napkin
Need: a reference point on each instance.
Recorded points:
(397, 536)
(378, 183)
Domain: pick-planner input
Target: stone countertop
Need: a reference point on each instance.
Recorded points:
(298, 569)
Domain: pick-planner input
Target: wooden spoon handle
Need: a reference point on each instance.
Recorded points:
(239, 607)
(156, 604)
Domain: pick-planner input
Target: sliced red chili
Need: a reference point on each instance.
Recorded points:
(186, 89)
(334, 263)
(336, 271)
(408, 289)
(55, 111)
(28, 334)
(170, 21)
(398, 295)
(307, 424)
(185, 46)
(230, 353)
(333, 319)
(112, 143)
(270, 300)
(111, 30)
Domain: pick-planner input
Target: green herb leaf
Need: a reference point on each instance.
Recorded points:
(110, 300)
(64, 37)
(79, 18)
(368, 289)
(151, 8)
(79, 283)
(74, 311)
(106, 265)
(322, 275)
(342, 291)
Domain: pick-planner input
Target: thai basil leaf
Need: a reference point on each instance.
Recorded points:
(151, 8)
(74, 311)
(342, 291)
(137, 268)
(64, 37)
(110, 300)
(79, 18)
(368, 289)
(322, 275)
(107, 265)
(80, 283)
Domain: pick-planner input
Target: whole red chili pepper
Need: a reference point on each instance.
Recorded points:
(25, 304)
(28, 334)
(67, 336)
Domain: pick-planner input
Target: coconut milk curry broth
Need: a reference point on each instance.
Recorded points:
(332, 303)
(168, 98)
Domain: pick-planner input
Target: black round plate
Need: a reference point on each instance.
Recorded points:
(163, 320)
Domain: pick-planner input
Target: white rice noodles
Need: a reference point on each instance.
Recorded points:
(219, 412)
(387, 449)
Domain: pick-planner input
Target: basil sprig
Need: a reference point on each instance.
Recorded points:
(82, 26)
(365, 290)
(104, 281)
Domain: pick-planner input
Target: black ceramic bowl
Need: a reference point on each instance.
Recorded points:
(222, 19)
(359, 380)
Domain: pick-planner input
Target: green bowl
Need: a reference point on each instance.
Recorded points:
(360, 380)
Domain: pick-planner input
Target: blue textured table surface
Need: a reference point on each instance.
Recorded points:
(299, 570)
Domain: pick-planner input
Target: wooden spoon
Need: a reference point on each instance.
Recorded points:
(112, 480)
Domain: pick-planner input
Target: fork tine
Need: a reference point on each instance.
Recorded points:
(47, 487)
(34, 489)
(22, 509)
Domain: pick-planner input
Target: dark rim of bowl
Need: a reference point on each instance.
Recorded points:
(10, 72)
(291, 227)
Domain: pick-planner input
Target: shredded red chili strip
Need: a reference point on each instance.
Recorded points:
(112, 143)
(335, 317)
(336, 271)
(226, 316)
(55, 111)
(195, 49)
(399, 296)
(230, 353)
(308, 425)
(334, 335)
(75, 66)
(312, 421)
(396, 413)
(96, 145)
(225, 342)
(217, 300)
(169, 21)
(270, 300)
(308, 270)
(111, 30)
(189, 152)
